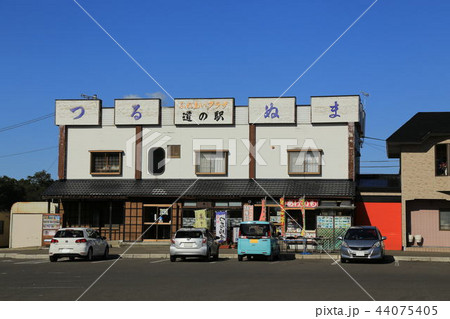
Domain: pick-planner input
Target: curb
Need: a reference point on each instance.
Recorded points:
(234, 256)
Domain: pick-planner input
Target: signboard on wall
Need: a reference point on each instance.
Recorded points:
(204, 111)
(248, 213)
(324, 221)
(298, 203)
(342, 221)
(335, 109)
(272, 110)
(77, 112)
(137, 112)
(221, 226)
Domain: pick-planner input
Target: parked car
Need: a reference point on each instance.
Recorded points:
(194, 242)
(78, 242)
(362, 242)
(258, 239)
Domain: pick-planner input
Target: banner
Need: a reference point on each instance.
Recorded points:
(200, 219)
(248, 213)
(262, 218)
(221, 226)
(282, 217)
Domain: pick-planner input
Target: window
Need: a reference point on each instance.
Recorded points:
(442, 156)
(156, 161)
(304, 162)
(211, 163)
(444, 220)
(174, 151)
(106, 162)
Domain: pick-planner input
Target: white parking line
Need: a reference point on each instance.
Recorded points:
(158, 261)
(101, 261)
(31, 262)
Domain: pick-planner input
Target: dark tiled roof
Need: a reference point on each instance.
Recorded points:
(420, 127)
(125, 188)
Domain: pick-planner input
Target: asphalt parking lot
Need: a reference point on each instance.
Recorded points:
(226, 279)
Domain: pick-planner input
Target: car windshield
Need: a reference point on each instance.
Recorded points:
(69, 233)
(189, 234)
(254, 230)
(361, 234)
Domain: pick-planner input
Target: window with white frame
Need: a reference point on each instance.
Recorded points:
(304, 162)
(211, 162)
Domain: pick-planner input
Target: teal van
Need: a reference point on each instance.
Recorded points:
(258, 239)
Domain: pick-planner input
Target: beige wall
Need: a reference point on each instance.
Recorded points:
(26, 230)
(419, 180)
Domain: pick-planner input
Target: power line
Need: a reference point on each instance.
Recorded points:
(376, 166)
(37, 119)
(379, 161)
(31, 151)
(374, 138)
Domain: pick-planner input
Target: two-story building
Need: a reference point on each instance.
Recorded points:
(122, 169)
(423, 146)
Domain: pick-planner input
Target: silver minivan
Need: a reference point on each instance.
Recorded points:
(194, 242)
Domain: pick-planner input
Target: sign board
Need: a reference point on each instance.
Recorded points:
(342, 222)
(221, 226)
(335, 109)
(296, 203)
(77, 112)
(137, 112)
(248, 213)
(271, 110)
(50, 224)
(204, 111)
(201, 220)
(324, 221)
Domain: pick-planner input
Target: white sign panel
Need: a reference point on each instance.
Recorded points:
(204, 111)
(137, 112)
(271, 110)
(77, 112)
(335, 109)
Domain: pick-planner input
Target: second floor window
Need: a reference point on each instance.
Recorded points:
(442, 156)
(106, 162)
(156, 160)
(304, 162)
(211, 163)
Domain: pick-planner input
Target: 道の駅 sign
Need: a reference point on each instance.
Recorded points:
(204, 111)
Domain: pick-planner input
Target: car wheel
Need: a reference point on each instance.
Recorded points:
(90, 255)
(240, 257)
(343, 260)
(106, 253)
(270, 257)
(173, 258)
(53, 259)
(71, 258)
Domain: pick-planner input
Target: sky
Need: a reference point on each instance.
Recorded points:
(398, 52)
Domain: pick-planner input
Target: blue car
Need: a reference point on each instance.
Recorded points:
(258, 239)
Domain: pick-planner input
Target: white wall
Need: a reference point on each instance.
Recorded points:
(331, 138)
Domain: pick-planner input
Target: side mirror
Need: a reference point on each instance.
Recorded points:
(340, 238)
(383, 238)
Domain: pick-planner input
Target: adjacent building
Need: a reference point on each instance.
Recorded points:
(122, 169)
(423, 146)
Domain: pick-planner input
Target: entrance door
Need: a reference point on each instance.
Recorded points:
(154, 229)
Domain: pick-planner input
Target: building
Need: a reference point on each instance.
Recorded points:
(4, 228)
(378, 203)
(423, 146)
(123, 168)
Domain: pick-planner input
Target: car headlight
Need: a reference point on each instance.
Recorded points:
(377, 244)
(344, 244)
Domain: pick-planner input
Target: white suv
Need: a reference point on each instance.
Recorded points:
(78, 242)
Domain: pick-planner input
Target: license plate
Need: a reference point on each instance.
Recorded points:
(360, 253)
(253, 241)
(66, 250)
(188, 245)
